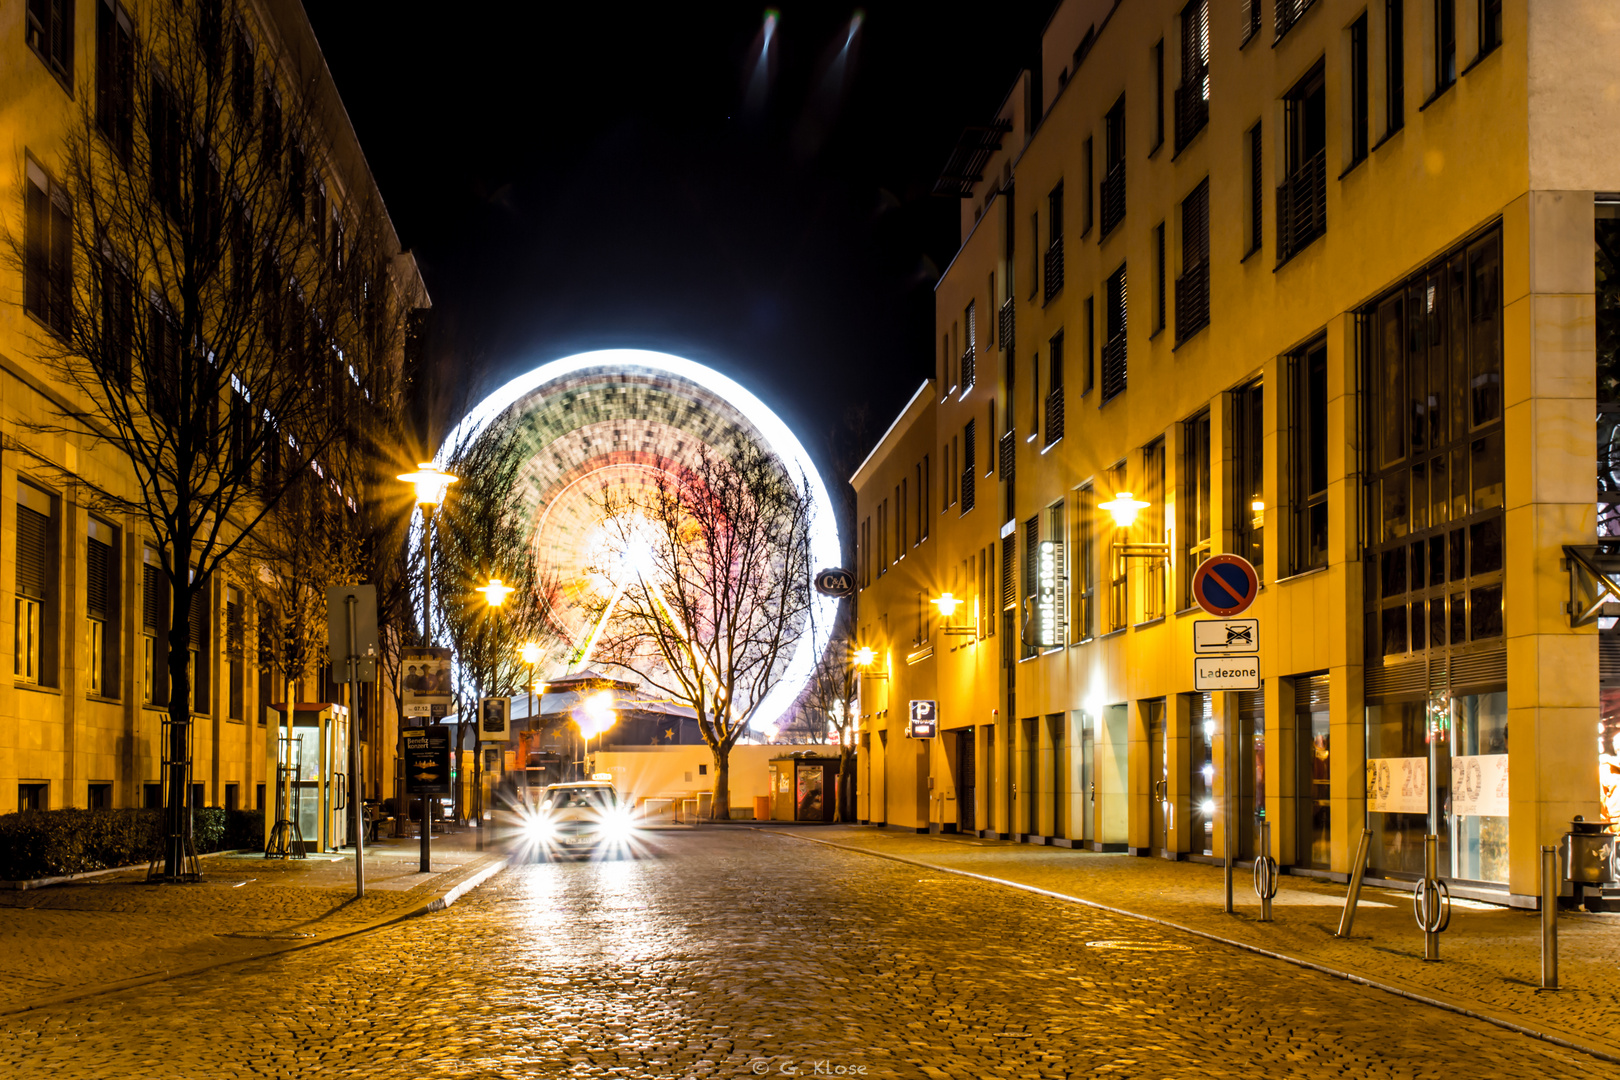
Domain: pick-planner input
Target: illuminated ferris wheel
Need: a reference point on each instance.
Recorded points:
(602, 429)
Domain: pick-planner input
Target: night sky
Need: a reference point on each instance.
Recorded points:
(616, 175)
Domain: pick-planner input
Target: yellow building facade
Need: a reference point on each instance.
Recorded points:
(80, 722)
(1323, 285)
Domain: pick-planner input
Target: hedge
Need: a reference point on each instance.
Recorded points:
(51, 843)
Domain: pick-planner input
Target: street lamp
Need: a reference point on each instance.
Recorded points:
(495, 593)
(947, 605)
(598, 716)
(1124, 507)
(431, 484)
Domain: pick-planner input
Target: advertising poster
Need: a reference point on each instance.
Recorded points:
(425, 682)
(494, 715)
(1398, 785)
(1479, 785)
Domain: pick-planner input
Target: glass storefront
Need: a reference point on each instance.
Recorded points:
(1313, 779)
(1439, 765)
(1251, 771)
(1201, 773)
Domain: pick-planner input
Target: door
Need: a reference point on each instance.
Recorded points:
(1060, 789)
(1251, 771)
(1201, 773)
(1029, 778)
(990, 777)
(1313, 784)
(966, 773)
(1088, 779)
(1159, 773)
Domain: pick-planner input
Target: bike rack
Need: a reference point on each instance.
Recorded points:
(1265, 873)
(1431, 900)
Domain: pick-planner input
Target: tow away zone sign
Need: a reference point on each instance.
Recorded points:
(1226, 673)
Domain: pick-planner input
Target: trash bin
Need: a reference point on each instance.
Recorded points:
(762, 807)
(1588, 852)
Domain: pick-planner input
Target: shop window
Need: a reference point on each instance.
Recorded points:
(1248, 508)
(1152, 524)
(1314, 778)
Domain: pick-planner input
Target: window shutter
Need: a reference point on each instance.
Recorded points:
(33, 534)
(151, 598)
(1008, 582)
(1032, 539)
(1310, 693)
(98, 555)
(199, 616)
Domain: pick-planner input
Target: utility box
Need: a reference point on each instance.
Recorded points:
(804, 787)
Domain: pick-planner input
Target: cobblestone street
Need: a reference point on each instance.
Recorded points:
(736, 953)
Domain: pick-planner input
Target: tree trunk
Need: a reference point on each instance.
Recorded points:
(720, 808)
(177, 818)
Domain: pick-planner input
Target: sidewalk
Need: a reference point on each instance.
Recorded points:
(1490, 957)
(108, 932)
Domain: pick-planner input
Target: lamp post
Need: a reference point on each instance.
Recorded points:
(431, 483)
(495, 594)
(598, 710)
(530, 652)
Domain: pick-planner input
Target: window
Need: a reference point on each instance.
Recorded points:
(1358, 89)
(1308, 449)
(258, 796)
(1084, 547)
(882, 526)
(33, 796)
(1158, 97)
(99, 796)
(970, 468)
(1248, 476)
(154, 629)
(925, 493)
(1490, 25)
(1195, 507)
(902, 507)
(1394, 66)
(1192, 287)
(235, 633)
(1257, 191)
(1054, 243)
(50, 34)
(1289, 12)
(199, 795)
(1158, 278)
(116, 292)
(199, 660)
(115, 79)
(34, 585)
(970, 347)
(1054, 389)
(1445, 44)
(1088, 199)
(231, 800)
(266, 617)
(152, 796)
(1113, 184)
(1302, 198)
(1119, 600)
(1435, 462)
(1051, 584)
(244, 77)
(1192, 96)
(47, 250)
(1113, 353)
(166, 146)
(1251, 20)
(1153, 528)
(1088, 372)
(101, 608)
(1031, 584)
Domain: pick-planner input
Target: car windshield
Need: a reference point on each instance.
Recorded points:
(579, 798)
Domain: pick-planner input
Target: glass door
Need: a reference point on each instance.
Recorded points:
(1476, 792)
(1029, 778)
(1201, 773)
(1088, 780)
(1313, 775)
(1060, 790)
(966, 780)
(1251, 771)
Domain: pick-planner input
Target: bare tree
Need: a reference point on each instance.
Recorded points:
(831, 696)
(714, 560)
(218, 291)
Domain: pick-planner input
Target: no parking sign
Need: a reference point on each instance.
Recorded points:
(1225, 585)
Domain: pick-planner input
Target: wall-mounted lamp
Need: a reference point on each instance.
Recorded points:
(947, 605)
(1124, 507)
(865, 657)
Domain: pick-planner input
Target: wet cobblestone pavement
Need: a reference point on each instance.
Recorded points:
(740, 953)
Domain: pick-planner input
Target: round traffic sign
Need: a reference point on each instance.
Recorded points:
(1225, 585)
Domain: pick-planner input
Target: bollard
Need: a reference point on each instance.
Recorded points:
(1265, 873)
(1352, 896)
(1549, 918)
(1431, 899)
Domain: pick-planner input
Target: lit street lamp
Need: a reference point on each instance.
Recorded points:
(597, 716)
(431, 484)
(530, 652)
(1124, 507)
(495, 595)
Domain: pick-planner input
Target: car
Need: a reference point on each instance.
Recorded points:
(582, 817)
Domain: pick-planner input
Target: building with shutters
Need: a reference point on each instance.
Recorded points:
(81, 719)
(1330, 285)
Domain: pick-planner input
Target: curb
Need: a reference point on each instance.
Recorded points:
(437, 902)
(24, 884)
(1476, 1011)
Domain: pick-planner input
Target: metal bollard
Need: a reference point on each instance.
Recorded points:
(1352, 896)
(1431, 900)
(1549, 918)
(1265, 873)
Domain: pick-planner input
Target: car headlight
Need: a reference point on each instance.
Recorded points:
(617, 827)
(538, 828)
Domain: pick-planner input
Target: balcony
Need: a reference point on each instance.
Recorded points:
(1054, 267)
(1192, 107)
(1302, 207)
(1192, 301)
(967, 369)
(1113, 367)
(1054, 415)
(1113, 197)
